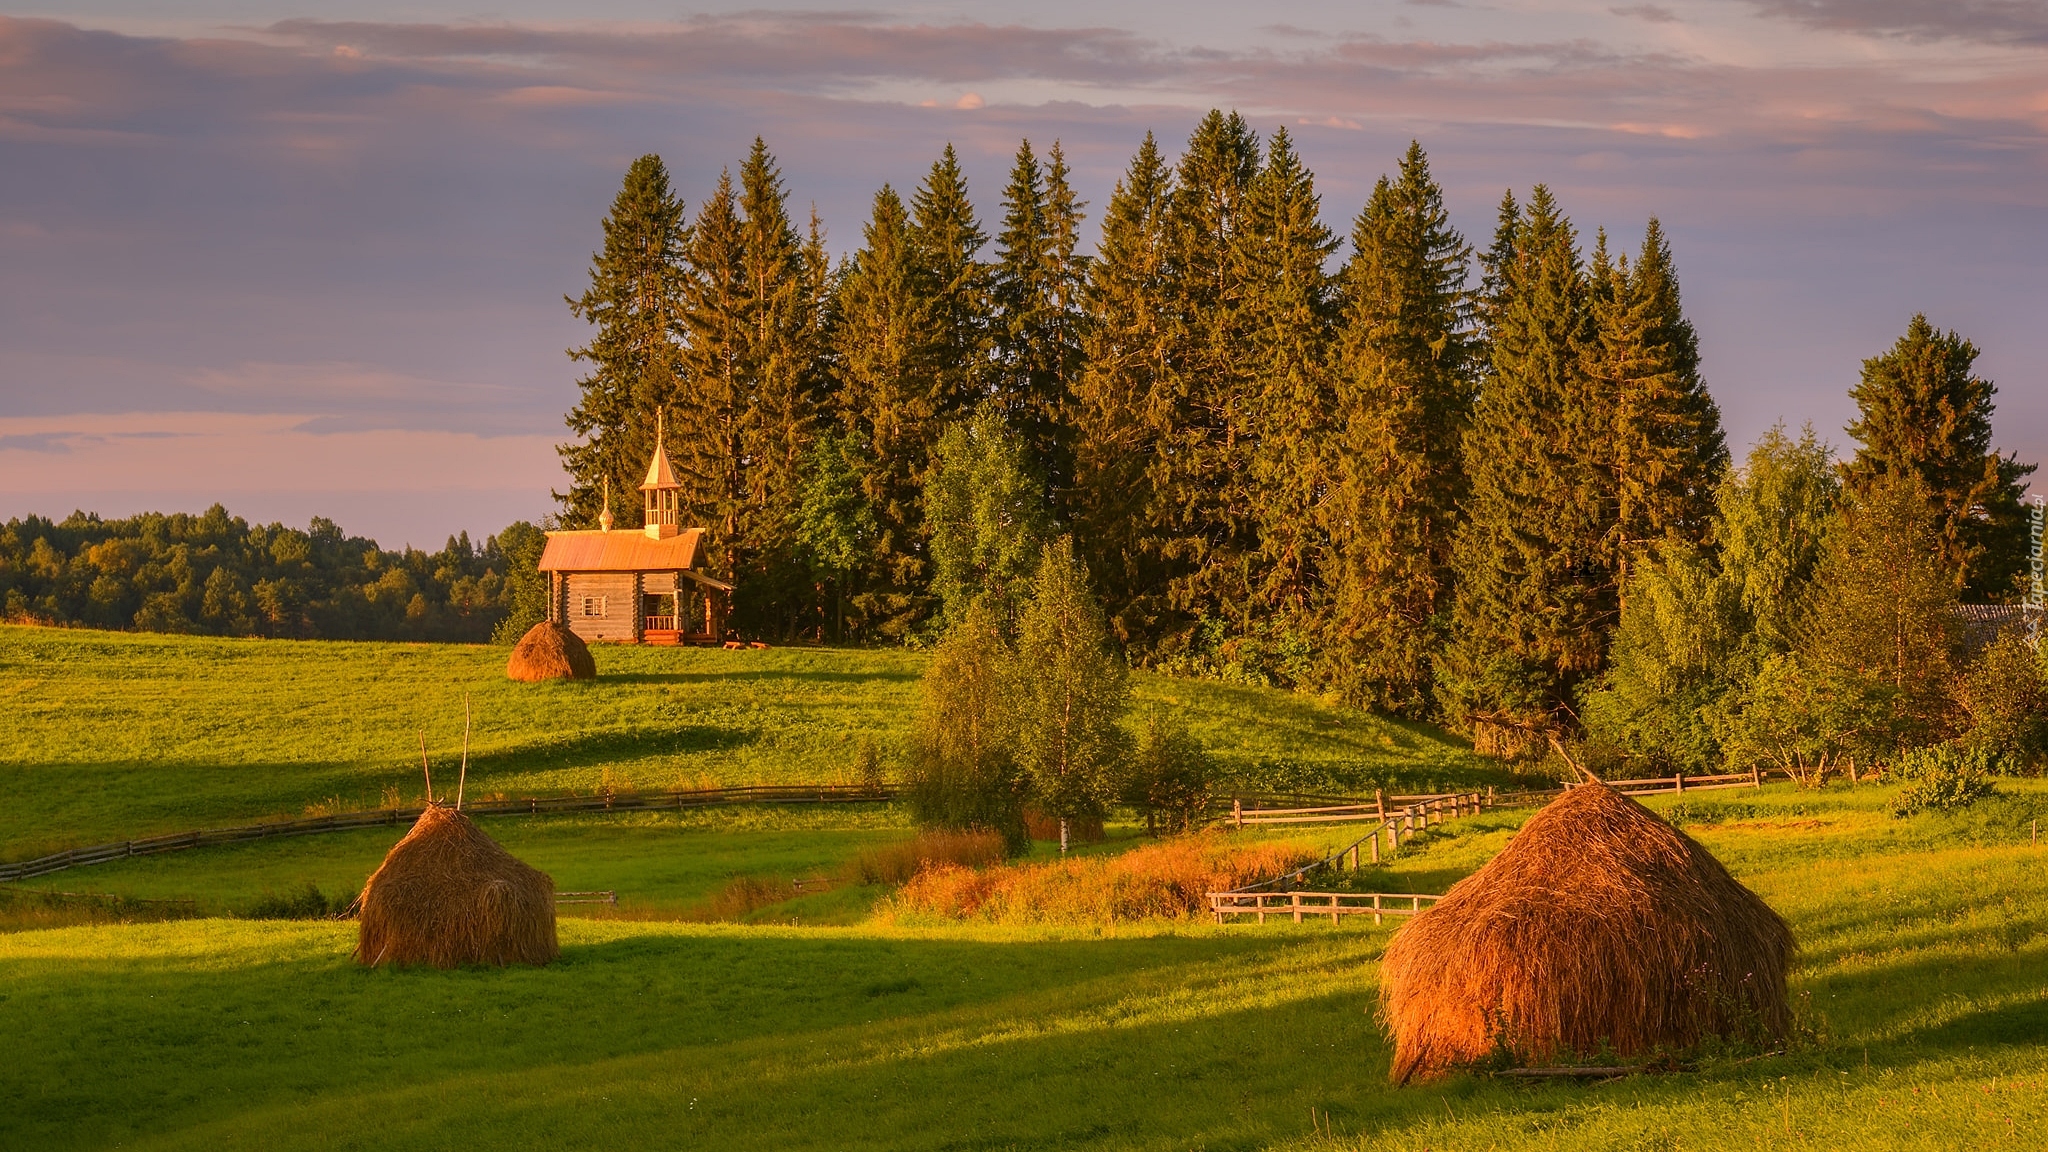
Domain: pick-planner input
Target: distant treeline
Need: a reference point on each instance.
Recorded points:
(1421, 479)
(217, 574)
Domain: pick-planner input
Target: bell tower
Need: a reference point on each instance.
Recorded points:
(661, 516)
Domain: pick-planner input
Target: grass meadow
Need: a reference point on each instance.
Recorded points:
(830, 1022)
(115, 735)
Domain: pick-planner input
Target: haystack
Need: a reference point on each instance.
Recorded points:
(447, 894)
(1599, 927)
(550, 651)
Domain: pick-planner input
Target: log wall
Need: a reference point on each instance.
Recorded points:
(602, 605)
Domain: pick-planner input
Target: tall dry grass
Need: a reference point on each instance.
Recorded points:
(741, 895)
(1167, 880)
(896, 863)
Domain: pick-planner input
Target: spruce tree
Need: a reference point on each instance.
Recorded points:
(1126, 344)
(1065, 321)
(634, 302)
(1034, 290)
(1662, 451)
(946, 239)
(1286, 311)
(1403, 378)
(1921, 409)
(1207, 534)
(781, 359)
(1532, 600)
(892, 401)
(709, 439)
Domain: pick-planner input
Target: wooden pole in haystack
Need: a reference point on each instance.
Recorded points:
(1575, 765)
(463, 780)
(424, 768)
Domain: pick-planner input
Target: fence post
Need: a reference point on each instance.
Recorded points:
(1379, 803)
(1678, 781)
(1297, 906)
(1237, 812)
(1375, 845)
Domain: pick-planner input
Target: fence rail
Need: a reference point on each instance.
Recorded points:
(534, 805)
(1332, 904)
(1356, 810)
(606, 897)
(1278, 895)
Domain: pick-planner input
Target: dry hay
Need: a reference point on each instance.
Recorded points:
(550, 651)
(1598, 927)
(447, 895)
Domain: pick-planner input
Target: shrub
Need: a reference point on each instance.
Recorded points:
(1169, 880)
(306, 903)
(1944, 777)
(867, 763)
(1170, 780)
(899, 862)
(2007, 695)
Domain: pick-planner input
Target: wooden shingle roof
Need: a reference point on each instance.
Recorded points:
(622, 552)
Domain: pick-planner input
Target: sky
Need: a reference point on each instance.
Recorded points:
(308, 261)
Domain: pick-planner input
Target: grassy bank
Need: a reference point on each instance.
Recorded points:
(118, 735)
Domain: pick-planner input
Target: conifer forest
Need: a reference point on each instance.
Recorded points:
(1483, 484)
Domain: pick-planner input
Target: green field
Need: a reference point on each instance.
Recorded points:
(116, 736)
(1922, 978)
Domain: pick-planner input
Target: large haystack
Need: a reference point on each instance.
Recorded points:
(447, 895)
(1598, 925)
(550, 651)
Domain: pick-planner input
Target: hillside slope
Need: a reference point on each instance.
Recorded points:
(115, 735)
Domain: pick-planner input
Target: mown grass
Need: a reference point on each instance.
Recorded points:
(115, 735)
(1921, 977)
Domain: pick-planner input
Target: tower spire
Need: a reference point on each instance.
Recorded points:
(662, 493)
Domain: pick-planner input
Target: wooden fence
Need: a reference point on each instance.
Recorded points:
(1657, 785)
(1277, 895)
(346, 821)
(587, 898)
(1431, 805)
(1331, 904)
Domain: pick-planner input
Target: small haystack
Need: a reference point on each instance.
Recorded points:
(447, 895)
(1599, 924)
(550, 651)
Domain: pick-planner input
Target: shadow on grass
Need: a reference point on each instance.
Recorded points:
(791, 1023)
(582, 750)
(758, 675)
